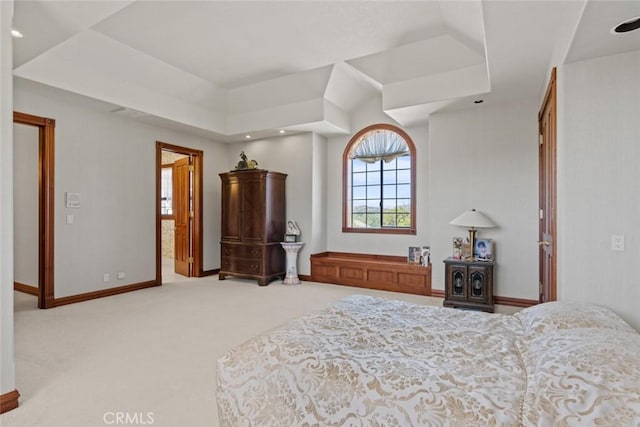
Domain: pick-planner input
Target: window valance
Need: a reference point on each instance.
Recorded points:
(380, 145)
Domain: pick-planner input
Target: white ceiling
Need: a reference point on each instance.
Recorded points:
(228, 68)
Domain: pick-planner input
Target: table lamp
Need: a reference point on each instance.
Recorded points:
(473, 219)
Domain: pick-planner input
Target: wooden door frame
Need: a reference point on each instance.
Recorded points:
(197, 206)
(46, 151)
(550, 99)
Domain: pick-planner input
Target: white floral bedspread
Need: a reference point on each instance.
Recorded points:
(367, 361)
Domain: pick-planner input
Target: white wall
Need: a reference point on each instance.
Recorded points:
(599, 182)
(371, 113)
(486, 157)
(318, 242)
(7, 368)
(25, 204)
(111, 161)
(291, 154)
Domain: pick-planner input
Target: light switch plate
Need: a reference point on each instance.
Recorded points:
(73, 200)
(617, 242)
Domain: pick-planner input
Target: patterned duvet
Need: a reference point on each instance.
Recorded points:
(368, 361)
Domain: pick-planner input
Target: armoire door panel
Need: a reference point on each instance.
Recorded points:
(231, 206)
(253, 211)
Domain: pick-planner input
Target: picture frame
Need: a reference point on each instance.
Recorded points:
(466, 249)
(483, 250)
(425, 256)
(414, 254)
(457, 247)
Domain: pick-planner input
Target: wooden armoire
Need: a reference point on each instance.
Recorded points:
(253, 225)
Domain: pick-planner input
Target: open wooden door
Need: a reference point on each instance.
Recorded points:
(182, 215)
(547, 193)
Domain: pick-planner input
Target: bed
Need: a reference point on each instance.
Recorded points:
(367, 361)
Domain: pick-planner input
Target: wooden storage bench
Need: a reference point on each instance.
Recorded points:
(385, 272)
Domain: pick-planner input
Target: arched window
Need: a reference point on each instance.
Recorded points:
(379, 189)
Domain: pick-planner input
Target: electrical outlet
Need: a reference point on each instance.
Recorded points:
(617, 242)
(121, 275)
(105, 278)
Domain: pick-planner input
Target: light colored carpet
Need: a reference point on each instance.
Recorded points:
(149, 351)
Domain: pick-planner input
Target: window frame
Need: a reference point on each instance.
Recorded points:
(347, 184)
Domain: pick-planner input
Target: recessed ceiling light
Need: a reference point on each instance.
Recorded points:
(248, 136)
(478, 101)
(281, 130)
(17, 34)
(626, 26)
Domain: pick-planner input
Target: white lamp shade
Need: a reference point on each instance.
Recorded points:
(473, 218)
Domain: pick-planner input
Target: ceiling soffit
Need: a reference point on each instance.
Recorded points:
(437, 58)
(49, 23)
(593, 37)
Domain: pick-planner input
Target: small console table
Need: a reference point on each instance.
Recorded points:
(468, 284)
(291, 249)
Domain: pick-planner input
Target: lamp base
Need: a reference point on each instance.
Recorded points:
(472, 244)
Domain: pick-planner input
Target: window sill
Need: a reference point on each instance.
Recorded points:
(379, 230)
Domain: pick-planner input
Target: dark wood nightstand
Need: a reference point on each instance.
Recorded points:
(469, 284)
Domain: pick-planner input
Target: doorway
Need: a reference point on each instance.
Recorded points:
(45, 207)
(179, 211)
(547, 194)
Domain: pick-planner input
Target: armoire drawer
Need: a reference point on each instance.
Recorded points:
(245, 266)
(241, 251)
